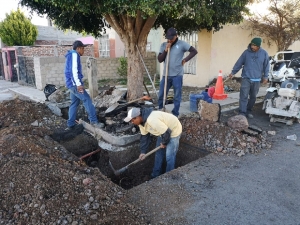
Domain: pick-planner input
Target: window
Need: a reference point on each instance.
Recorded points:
(148, 47)
(104, 48)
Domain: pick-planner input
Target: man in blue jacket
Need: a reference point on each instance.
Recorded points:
(255, 64)
(73, 78)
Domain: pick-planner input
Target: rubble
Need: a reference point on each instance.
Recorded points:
(43, 180)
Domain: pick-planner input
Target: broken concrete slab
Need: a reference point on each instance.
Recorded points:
(209, 111)
(6, 96)
(28, 93)
(54, 108)
(107, 137)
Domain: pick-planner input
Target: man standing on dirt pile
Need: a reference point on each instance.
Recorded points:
(255, 62)
(164, 125)
(73, 78)
(175, 72)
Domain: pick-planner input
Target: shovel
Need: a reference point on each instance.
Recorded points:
(122, 170)
(166, 80)
(114, 106)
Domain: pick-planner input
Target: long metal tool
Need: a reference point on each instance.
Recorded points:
(114, 106)
(166, 81)
(147, 71)
(123, 169)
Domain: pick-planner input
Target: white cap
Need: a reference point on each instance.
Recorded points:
(132, 113)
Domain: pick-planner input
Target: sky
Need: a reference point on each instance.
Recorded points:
(260, 8)
(7, 5)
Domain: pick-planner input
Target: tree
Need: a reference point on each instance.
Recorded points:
(17, 30)
(280, 24)
(133, 19)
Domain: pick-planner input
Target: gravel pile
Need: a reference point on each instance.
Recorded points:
(219, 138)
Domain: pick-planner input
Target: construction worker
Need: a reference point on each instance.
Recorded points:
(176, 49)
(255, 63)
(73, 78)
(166, 127)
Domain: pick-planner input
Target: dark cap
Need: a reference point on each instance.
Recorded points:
(256, 41)
(78, 44)
(171, 32)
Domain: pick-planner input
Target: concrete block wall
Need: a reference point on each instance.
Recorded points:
(50, 70)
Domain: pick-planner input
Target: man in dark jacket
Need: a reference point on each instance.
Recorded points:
(164, 125)
(73, 78)
(255, 63)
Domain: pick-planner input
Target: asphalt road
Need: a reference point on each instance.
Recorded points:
(256, 189)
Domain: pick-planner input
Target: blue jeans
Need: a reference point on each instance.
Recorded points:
(176, 82)
(248, 88)
(76, 97)
(169, 153)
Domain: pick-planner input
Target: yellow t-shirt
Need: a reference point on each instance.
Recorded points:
(158, 122)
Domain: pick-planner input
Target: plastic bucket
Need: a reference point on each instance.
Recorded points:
(194, 99)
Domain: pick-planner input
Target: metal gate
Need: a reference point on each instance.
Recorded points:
(2, 75)
(191, 66)
(26, 70)
(13, 62)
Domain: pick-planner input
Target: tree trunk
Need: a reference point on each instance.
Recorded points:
(133, 31)
(135, 76)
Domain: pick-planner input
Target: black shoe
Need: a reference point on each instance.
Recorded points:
(75, 127)
(70, 128)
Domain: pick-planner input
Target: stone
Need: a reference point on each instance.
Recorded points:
(238, 122)
(209, 111)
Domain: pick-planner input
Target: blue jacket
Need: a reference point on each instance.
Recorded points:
(73, 69)
(254, 64)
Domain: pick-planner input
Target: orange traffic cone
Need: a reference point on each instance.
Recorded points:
(219, 92)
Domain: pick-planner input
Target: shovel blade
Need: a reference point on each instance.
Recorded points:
(111, 108)
(117, 172)
(120, 171)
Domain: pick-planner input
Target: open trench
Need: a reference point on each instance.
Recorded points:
(84, 143)
(136, 174)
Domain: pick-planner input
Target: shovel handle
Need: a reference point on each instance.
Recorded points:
(135, 100)
(146, 155)
(166, 78)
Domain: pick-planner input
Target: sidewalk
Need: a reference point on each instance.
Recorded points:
(231, 102)
(9, 91)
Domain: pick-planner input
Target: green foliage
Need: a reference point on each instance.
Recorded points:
(133, 20)
(17, 30)
(122, 69)
(186, 16)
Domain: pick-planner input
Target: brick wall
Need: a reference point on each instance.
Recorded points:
(51, 50)
(50, 70)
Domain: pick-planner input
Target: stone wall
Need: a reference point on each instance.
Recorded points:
(50, 70)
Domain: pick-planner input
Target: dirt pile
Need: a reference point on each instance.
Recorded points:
(43, 183)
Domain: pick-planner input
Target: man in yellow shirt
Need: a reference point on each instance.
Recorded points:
(164, 125)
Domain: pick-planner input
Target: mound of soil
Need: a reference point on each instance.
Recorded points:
(43, 183)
